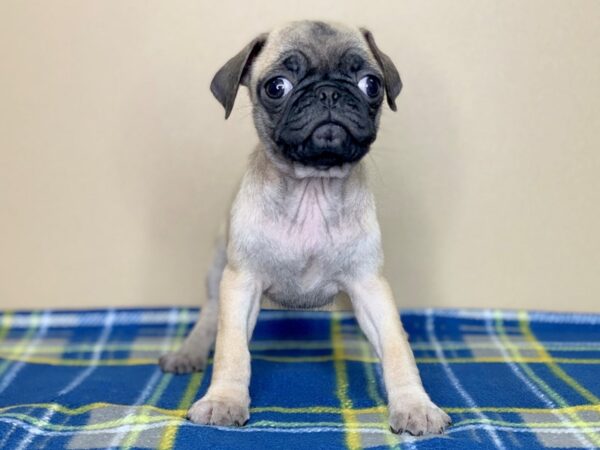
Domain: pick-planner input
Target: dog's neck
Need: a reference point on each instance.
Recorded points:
(299, 171)
(331, 198)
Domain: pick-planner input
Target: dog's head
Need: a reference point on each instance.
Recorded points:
(317, 90)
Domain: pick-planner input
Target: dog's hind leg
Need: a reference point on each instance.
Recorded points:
(194, 352)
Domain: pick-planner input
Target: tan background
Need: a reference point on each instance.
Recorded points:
(116, 165)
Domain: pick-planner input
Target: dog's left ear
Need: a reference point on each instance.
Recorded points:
(391, 77)
(226, 81)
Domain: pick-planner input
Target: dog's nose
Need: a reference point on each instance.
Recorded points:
(328, 95)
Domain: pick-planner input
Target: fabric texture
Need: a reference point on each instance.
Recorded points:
(508, 379)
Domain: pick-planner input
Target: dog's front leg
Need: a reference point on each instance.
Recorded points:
(227, 400)
(410, 408)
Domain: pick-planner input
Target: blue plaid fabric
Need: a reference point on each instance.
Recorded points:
(509, 380)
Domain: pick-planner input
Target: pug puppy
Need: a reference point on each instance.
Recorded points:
(303, 225)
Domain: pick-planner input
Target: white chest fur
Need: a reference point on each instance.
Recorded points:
(302, 237)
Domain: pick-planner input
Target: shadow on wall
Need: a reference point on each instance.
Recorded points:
(177, 164)
(420, 209)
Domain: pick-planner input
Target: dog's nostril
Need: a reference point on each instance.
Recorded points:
(328, 95)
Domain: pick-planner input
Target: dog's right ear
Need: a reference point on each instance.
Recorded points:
(226, 81)
(391, 77)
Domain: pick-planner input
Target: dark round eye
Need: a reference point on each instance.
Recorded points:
(278, 87)
(370, 85)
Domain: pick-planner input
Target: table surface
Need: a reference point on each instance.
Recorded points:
(509, 379)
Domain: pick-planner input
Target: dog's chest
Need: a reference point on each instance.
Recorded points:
(302, 251)
(311, 230)
(312, 222)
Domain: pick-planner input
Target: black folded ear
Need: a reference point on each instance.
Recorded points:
(226, 81)
(391, 77)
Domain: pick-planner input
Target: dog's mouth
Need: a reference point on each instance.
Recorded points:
(330, 144)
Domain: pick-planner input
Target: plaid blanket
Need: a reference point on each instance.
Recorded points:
(508, 379)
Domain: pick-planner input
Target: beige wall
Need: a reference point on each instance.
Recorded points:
(116, 165)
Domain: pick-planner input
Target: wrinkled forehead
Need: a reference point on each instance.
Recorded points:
(324, 44)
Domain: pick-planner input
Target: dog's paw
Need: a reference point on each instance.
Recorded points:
(179, 362)
(219, 412)
(418, 415)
